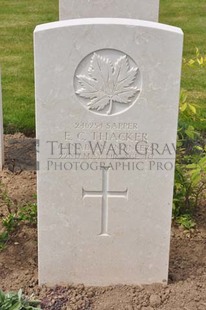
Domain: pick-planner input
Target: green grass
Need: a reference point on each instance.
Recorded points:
(18, 20)
(190, 15)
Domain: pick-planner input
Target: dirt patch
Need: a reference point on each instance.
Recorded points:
(18, 262)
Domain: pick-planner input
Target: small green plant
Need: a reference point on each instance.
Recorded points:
(4, 236)
(186, 221)
(199, 60)
(17, 301)
(26, 214)
(190, 176)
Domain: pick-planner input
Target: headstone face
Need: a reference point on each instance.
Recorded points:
(106, 121)
(1, 130)
(137, 9)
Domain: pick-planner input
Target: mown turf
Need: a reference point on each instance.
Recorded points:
(190, 15)
(18, 19)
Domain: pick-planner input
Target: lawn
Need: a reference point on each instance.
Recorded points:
(190, 15)
(18, 20)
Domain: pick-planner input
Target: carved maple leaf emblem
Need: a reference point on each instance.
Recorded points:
(108, 82)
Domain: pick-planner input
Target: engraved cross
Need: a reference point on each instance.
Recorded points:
(105, 194)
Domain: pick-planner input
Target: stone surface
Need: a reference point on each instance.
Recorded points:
(137, 9)
(106, 116)
(1, 130)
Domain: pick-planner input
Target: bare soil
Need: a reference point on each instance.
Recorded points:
(18, 261)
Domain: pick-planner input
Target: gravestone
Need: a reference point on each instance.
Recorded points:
(1, 130)
(137, 9)
(106, 116)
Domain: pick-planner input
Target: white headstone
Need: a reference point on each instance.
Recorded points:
(1, 130)
(137, 9)
(107, 93)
